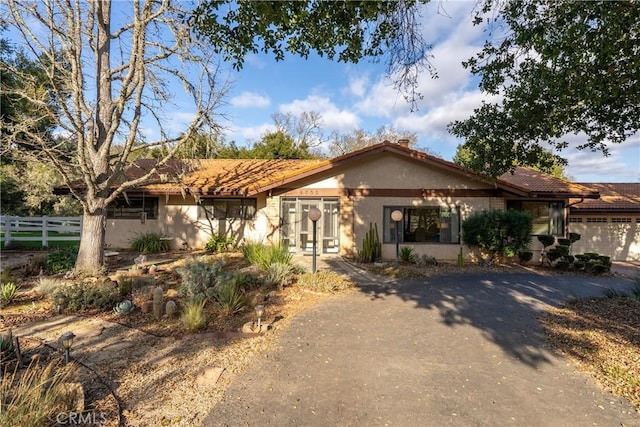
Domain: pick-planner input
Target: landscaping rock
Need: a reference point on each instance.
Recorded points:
(209, 376)
(171, 293)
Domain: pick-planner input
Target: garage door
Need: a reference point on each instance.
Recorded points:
(615, 236)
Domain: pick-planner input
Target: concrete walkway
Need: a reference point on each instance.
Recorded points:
(459, 350)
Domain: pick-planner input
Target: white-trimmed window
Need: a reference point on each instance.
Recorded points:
(423, 224)
(548, 217)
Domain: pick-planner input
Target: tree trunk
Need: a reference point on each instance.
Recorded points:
(90, 255)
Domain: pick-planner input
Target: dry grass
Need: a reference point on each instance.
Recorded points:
(602, 336)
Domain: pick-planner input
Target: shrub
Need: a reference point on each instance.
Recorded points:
(47, 286)
(193, 317)
(125, 285)
(81, 296)
(37, 264)
(229, 297)
(7, 346)
(34, 396)
(407, 255)
(62, 260)
(426, 260)
(279, 274)
(199, 279)
(220, 243)
(546, 240)
(150, 243)
(264, 255)
(525, 256)
(324, 281)
(498, 232)
(8, 292)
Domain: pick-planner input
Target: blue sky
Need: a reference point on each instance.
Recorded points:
(349, 96)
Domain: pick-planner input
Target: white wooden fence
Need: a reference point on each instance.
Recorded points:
(42, 228)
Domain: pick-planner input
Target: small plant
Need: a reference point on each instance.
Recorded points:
(279, 274)
(7, 346)
(125, 285)
(220, 243)
(229, 297)
(150, 243)
(612, 293)
(62, 260)
(37, 265)
(525, 256)
(199, 278)
(324, 281)
(35, 396)
(264, 255)
(81, 296)
(47, 286)
(8, 292)
(124, 307)
(371, 248)
(193, 317)
(427, 260)
(407, 255)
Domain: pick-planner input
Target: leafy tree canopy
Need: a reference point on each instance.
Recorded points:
(563, 67)
(543, 160)
(344, 30)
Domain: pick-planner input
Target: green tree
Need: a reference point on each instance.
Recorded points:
(498, 232)
(563, 67)
(347, 31)
(277, 145)
(471, 158)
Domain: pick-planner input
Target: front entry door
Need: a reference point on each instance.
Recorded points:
(297, 228)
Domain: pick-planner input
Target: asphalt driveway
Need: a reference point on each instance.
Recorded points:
(446, 351)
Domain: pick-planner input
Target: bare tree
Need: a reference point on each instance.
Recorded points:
(305, 129)
(359, 138)
(111, 73)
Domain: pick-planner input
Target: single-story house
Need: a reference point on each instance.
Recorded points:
(269, 200)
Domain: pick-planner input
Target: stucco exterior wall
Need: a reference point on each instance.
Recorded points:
(178, 219)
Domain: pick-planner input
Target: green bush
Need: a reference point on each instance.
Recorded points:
(81, 296)
(193, 317)
(426, 260)
(8, 292)
(199, 279)
(264, 255)
(220, 243)
(498, 232)
(125, 285)
(324, 281)
(62, 260)
(546, 240)
(525, 256)
(407, 255)
(150, 243)
(279, 274)
(229, 297)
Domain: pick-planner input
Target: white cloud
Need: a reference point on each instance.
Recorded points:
(622, 164)
(358, 85)
(333, 118)
(250, 100)
(250, 133)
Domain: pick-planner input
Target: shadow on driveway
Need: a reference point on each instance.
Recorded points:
(461, 350)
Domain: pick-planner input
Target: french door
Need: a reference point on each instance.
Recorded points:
(297, 229)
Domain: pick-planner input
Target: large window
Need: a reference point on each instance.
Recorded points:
(548, 217)
(134, 208)
(227, 208)
(429, 224)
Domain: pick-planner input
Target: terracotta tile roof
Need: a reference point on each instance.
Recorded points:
(615, 197)
(542, 184)
(229, 176)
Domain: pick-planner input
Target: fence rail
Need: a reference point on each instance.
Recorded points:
(43, 229)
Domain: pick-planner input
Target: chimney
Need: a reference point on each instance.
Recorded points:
(403, 143)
